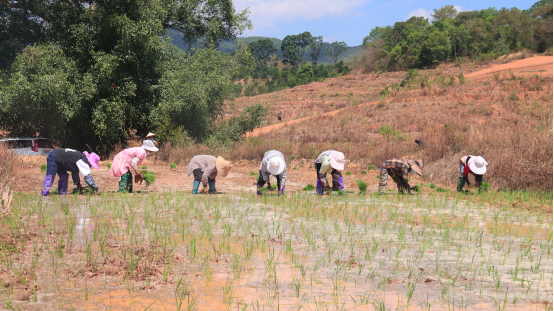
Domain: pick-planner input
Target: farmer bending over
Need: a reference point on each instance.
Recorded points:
(399, 170)
(61, 160)
(332, 162)
(205, 168)
(472, 165)
(130, 159)
(273, 163)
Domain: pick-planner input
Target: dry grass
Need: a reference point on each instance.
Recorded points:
(9, 163)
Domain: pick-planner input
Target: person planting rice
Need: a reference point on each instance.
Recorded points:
(62, 160)
(130, 159)
(205, 168)
(274, 164)
(472, 165)
(332, 162)
(150, 136)
(399, 170)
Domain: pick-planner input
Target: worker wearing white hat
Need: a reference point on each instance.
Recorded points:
(150, 136)
(472, 165)
(273, 163)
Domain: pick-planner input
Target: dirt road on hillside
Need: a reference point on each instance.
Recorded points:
(538, 65)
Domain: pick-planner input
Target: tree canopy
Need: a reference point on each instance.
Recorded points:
(95, 73)
(488, 33)
(294, 47)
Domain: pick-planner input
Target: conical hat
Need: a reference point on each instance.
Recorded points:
(223, 166)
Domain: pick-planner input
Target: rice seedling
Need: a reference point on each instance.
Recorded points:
(280, 250)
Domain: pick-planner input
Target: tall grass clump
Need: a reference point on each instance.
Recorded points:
(8, 169)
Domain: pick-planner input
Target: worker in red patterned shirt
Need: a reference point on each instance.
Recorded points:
(472, 165)
(399, 169)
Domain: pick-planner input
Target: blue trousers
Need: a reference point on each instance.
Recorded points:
(51, 170)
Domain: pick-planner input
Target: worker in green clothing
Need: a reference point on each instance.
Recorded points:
(477, 166)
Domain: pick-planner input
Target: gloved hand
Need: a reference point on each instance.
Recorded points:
(205, 190)
(79, 187)
(269, 186)
(282, 191)
(98, 191)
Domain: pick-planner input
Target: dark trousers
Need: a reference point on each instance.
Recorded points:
(261, 181)
(52, 169)
(198, 175)
(336, 175)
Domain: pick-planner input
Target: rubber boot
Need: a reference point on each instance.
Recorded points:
(47, 184)
(211, 186)
(341, 185)
(319, 187)
(461, 183)
(62, 184)
(195, 186)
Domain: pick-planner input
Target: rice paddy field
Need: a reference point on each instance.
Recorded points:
(177, 251)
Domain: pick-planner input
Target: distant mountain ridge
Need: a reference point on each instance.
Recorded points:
(230, 45)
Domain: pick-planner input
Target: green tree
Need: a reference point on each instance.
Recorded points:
(336, 49)
(262, 50)
(294, 47)
(435, 49)
(315, 45)
(110, 58)
(447, 11)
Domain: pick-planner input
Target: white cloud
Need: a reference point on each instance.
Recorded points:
(458, 8)
(268, 13)
(420, 13)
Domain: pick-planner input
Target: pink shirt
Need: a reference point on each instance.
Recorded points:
(122, 161)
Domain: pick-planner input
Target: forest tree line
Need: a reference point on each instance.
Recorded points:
(484, 34)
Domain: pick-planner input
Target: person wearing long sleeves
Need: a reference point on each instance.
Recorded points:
(62, 160)
(274, 164)
(331, 162)
(477, 166)
(205, 169)
(399, 169)
(129, 160)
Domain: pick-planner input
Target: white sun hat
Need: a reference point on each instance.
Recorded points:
(149, 145)
(478, 165)
(275, 165)
(150, 134)
(336, 159)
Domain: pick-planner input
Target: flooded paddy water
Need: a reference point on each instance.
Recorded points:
(176, 251)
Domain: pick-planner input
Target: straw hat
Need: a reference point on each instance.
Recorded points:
(416, 165)
(150, 134)
(336, 159)
(223, 166)
(92, 158)
(149, 145)
(275, 165)
(478, 165)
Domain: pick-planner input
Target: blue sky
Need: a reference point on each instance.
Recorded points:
(346, 20)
